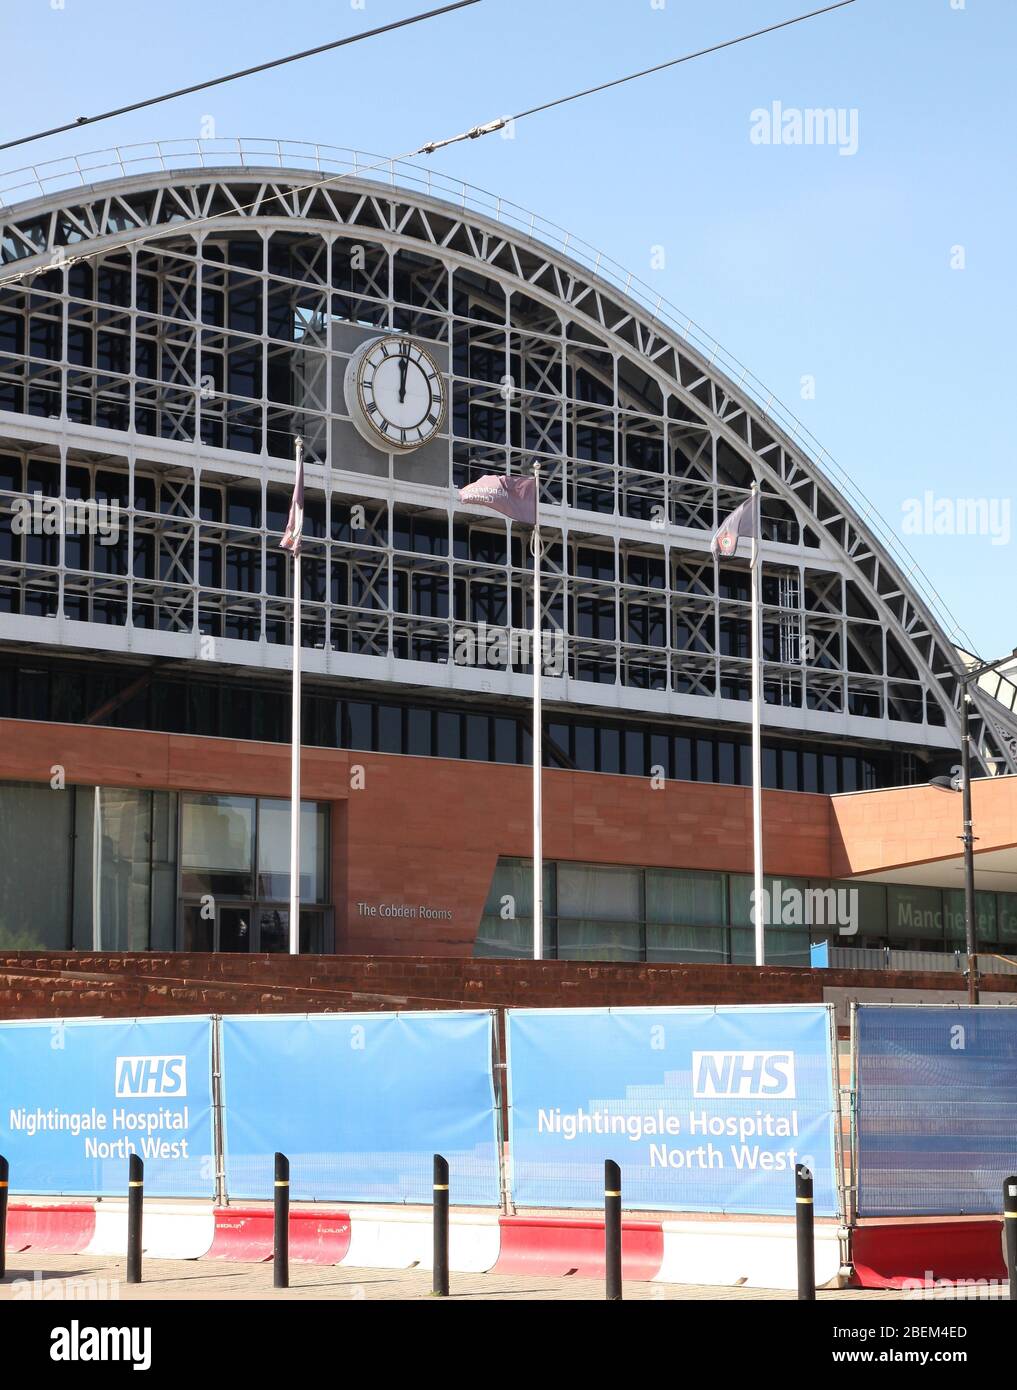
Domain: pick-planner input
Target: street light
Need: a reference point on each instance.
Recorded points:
(970, 677)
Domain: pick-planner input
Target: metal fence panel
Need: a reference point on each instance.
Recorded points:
(79, 1096)
(936, 1108)
(706, 1109)
(360, 1103)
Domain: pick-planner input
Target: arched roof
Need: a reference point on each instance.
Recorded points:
(469, 228)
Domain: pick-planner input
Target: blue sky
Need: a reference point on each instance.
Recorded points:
(802, 261)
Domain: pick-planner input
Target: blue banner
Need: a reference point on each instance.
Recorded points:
(361, 1103)
(936, 1108)
(79, 1096)
(705, 1109)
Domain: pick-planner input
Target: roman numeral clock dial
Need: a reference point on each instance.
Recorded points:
(395, 393)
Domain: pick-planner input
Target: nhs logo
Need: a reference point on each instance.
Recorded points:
(752, 1075)
(138, 1077)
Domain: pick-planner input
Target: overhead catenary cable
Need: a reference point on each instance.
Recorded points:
(629, 77)
(233, 76)
(475, 132)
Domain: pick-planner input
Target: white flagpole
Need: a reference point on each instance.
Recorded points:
(295, 748)
(757, 747)
(537, 658)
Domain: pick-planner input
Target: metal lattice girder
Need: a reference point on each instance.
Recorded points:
(562, 316)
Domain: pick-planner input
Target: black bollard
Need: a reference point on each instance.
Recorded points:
(1010, 1232)
(135, 1205)
(612, 1231)
(5, 1174)
(805, 1233)
(281, 1225)
(439, 1283)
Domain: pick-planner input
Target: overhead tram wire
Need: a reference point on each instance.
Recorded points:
(233, 76)
(630, 77)
(474, 133)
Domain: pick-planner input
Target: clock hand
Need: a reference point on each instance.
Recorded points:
(404, 363)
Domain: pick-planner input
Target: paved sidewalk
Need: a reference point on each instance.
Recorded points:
(90, 1276)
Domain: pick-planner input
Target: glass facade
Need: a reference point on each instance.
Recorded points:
(136, 697)
(614, 913)
(123, 869)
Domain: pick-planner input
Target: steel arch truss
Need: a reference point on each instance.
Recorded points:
(656, 370)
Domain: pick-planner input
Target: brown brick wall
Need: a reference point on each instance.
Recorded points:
(429, 831)
(48, 985)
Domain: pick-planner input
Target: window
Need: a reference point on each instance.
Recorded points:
(217, 845)
(599, 913)
(235, 874)
(685, 916)
(35, 828)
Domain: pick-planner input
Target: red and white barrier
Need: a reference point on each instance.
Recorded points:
(60, 1228)
(722, 1251)
(403, 1237)
(572, 1245)
(244, 1235)
(749, 1254)
(897, 1254)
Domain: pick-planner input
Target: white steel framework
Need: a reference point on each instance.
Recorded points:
(170, 375)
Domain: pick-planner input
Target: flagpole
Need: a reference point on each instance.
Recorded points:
(295, 746)
(757, 747)
(537, 658)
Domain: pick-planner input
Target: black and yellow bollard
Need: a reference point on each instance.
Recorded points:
(612, 1232)
(5, 1176)
(281, 1224)
(805, 1234)
(440, 1199)
(135, 1208)
(1010, 1232)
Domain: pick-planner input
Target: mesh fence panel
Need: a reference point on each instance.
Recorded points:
(936, 1109)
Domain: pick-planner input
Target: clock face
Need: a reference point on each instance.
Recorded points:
(395, 393)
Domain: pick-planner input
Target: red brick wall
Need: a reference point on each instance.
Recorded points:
(51, 984)
(429, 830)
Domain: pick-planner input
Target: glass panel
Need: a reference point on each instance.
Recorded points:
(35, 827)
(124, 884)
(217, 845)
(985, 915)
(1007, 906)
(164, 869)
(599, 940)
(789, 913)
(197, 931)
(234, 929)
(782, 948)
(315, 938)
(274, 929)
(689, 898)
(914, 913)
(871, 902)
(608, 894)
(683, 943)
(506, 928)
(274, 850)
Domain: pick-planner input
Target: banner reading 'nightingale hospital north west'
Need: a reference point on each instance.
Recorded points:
(705, 1109)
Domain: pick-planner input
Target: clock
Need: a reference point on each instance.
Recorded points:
(395, 393)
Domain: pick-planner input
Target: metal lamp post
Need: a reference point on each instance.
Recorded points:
(970, 677)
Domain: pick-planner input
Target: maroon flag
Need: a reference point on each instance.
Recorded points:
(295, 521)
(513, 497)
(741, 522)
